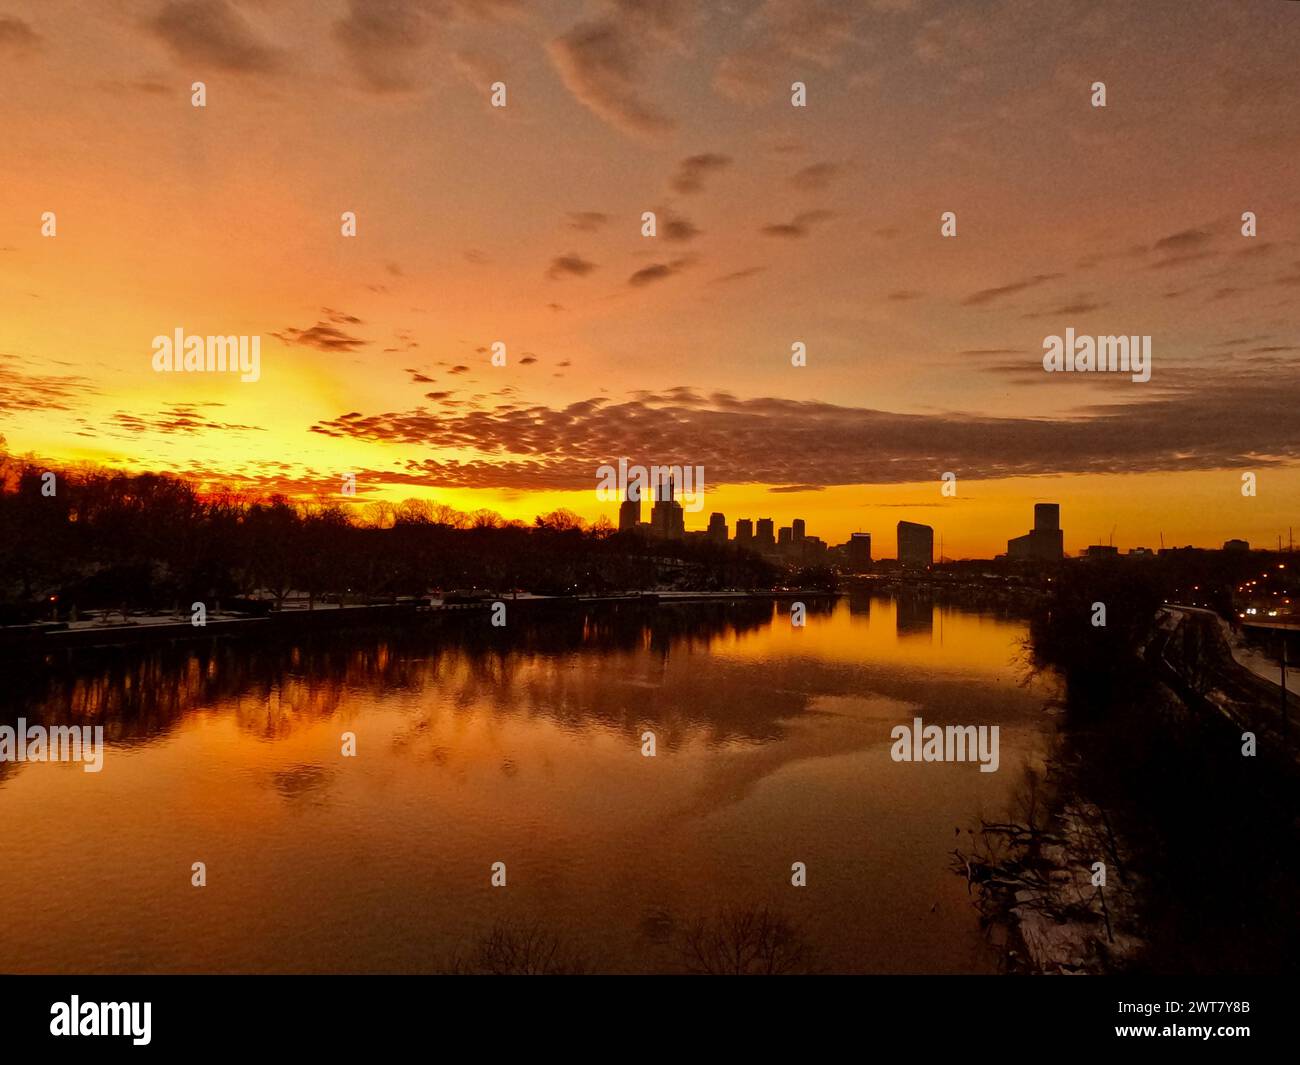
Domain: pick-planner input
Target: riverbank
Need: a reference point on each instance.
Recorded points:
(1055, 890)
(146, 627)
(1175, 780)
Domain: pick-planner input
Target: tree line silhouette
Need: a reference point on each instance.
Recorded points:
(91, 538)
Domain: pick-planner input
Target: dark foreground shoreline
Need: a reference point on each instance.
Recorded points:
(154, 628)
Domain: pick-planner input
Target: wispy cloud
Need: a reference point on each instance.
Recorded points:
(24, 387)
(324, 335)
(17, 39)
(692, 171)
(587, 221)
(658, 272)
(799, 226)
(217, 34)
(388, 41)
(988, 295)
(816, 177)
(601, 63)
(571, 265)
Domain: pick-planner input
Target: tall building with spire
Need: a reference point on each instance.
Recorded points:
(666, 516)
(629, 511)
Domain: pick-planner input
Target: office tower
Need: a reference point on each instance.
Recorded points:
(764, 539)
(797, 530)
(1045, 542)
(717, 528)
(859, 551)
(784, 536)
(629, 511)
(915, 544)
(666, 517)
(744, 532)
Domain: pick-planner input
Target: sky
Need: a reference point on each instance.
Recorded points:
(775, 225)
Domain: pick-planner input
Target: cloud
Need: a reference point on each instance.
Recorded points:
(658, 272)
(677, 229)
(571, 265)
(478, 69)
(324, 335)
(958, 35)
(787, 38)
(179, 418)
(1186, 246)
(29, 389)
(600, 63)
(988, 295)
(1082, 305)
(587, 221)
(138, 85)
(1246, 418)
(738, 275)
(386, 40)
(816, 177)
(665, 20)
(17, 39)
(1182, 260)
(1187, 239)
(383, 40)
(692, 171)
(799, 226)
(215, 33)
(340, 317)
(931, 41)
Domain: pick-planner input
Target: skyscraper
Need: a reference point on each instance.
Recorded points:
(797, 530)
(915, 544)
(629, 511)
(744, 532)
(764, 539)
(1045, 541)
(717, 527)
(666, 516)
(859, 551)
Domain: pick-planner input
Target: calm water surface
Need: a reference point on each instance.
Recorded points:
(521, 746)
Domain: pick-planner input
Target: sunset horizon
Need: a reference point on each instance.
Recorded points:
(649, 488)
(776, 226)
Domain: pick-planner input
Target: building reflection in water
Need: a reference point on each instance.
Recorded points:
(914, 614)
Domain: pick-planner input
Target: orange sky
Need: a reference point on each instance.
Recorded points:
(776, 224)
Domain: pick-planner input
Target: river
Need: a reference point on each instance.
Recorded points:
(521, 746)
